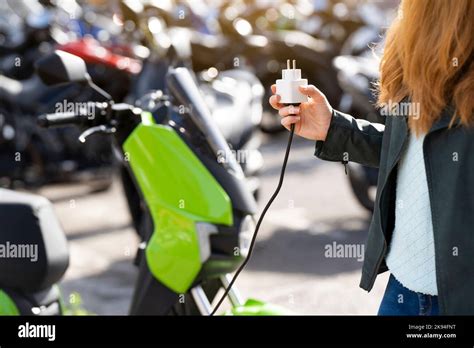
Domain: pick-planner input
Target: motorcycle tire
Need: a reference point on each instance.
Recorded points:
(270, 123)
(360, 185)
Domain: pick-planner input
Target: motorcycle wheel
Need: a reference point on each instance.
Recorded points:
(360, 185)
(270, 123)
(101, 185)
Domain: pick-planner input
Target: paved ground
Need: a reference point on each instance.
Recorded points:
(289, 267)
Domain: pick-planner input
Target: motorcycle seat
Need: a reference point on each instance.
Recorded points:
(235, 102)
(9, 87)
(25, 93)
(33, 248)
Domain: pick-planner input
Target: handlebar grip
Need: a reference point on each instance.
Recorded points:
(60, 119)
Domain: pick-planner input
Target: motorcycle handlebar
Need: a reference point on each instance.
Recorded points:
(60, 119)
(82, 117)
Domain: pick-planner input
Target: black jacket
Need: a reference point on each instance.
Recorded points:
(449, 161)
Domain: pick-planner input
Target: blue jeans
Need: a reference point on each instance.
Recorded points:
(399, 300)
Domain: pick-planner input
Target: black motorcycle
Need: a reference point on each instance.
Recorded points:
(32, 156)
(232, 40)
(356, 76)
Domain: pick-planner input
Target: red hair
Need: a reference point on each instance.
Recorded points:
(428, 57)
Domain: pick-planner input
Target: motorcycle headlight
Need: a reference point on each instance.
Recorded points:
(247, 228)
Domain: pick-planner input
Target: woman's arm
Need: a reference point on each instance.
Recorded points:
(339, 137)
(351, 140)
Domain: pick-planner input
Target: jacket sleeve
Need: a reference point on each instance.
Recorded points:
(351, 140)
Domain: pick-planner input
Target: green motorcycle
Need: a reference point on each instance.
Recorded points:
(200, 210)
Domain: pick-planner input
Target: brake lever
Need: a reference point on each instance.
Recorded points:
(97, 129)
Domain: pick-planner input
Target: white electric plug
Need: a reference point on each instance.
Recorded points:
(287, 86)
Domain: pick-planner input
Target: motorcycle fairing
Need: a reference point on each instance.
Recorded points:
(179, 191)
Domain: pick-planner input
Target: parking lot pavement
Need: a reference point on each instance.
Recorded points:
(290, 266)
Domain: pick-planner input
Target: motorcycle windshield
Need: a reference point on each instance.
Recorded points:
(183, 87)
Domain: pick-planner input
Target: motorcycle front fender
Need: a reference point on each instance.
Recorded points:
(253, 307)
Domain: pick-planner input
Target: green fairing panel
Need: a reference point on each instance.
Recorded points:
(179, 191)
(255, 307)
(7, 306)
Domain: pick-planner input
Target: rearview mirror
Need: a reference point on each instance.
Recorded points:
(62, 67)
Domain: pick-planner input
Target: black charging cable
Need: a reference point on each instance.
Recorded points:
(259, 222)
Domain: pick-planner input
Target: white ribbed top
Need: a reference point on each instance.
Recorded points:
(411, 256)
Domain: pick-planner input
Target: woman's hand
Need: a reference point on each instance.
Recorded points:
(311, 119)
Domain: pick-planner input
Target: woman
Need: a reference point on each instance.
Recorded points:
(422, 228)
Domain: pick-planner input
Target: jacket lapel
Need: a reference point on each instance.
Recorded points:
(444, 119)
(399, 133)
(398, 138)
